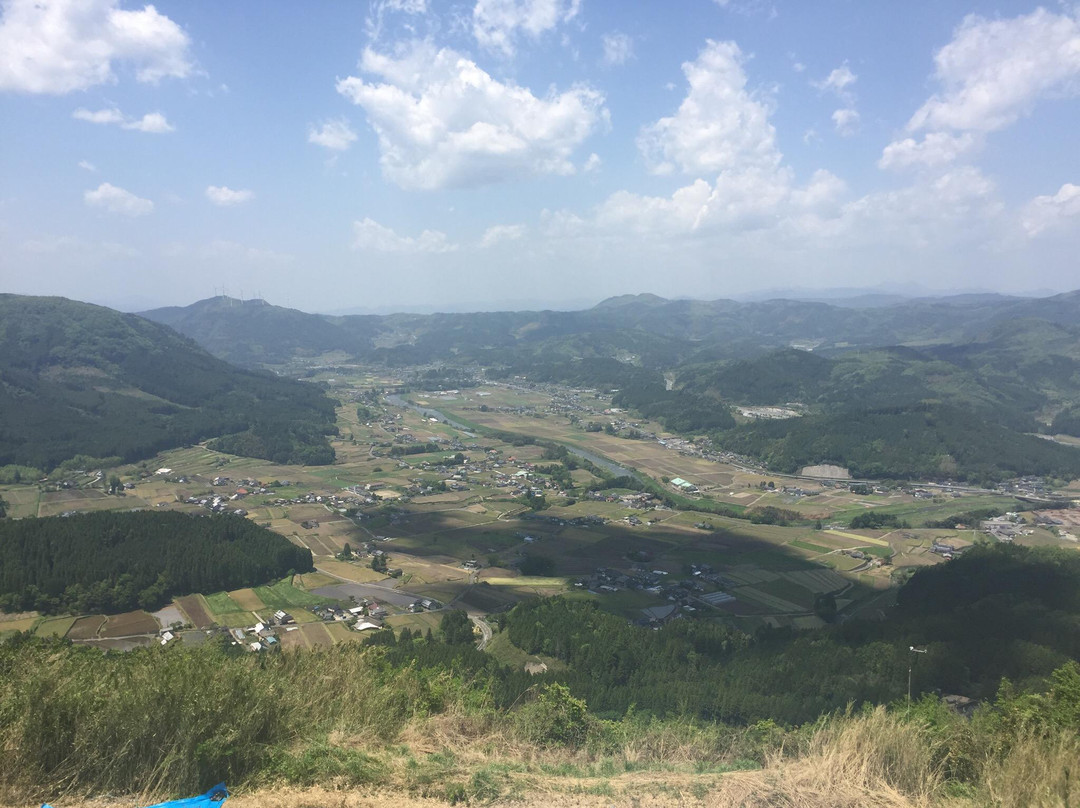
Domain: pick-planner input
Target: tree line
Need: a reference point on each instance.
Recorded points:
(114, 562)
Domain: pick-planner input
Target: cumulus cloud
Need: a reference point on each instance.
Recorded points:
(371, 236)
(935, 150)
(116, 200)
(333, 135)
(995, 70)
(720, 125)
(151, 122)
(223, 196)
(444, 122)
(502, 232)
(618, 48)
(86, 165)
(1048, 212)
(592, 164)
(846, 121)
(497, 24)
(838, 81)
(59, 46)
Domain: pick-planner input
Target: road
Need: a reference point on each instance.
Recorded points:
(485, 629)
(381, 591)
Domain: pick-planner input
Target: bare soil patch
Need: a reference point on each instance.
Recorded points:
(194, 607)
(86, 628)
(122, 625)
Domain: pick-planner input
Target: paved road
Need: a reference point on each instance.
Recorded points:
(485, 629)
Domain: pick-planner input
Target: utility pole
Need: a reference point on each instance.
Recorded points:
(912, 650)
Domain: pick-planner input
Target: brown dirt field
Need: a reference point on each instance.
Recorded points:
(315, 634)
(120, 625)
(195, 608)
(293, 639)
(247, 600)
(87, 627)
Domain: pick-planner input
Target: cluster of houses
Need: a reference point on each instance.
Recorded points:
(1006, 528)
(263, 636)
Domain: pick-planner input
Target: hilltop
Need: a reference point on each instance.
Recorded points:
(84, 380)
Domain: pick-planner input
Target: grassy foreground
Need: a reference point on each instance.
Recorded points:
(341, 727)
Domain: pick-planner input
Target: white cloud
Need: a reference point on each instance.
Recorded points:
(443, 122)
(935, 150)
(380, 9)
(1048, 212)
(151, 122)
(223, 196)
(371, 236)
(995, 70)
(86, 165)
(59, 46)
(117, 200)
(846, 121)
(101, 116)
(497, 23)
(618, 48)
(719, 125)
(502, 232)
(838, 81)
(592, 164)
(333, 135)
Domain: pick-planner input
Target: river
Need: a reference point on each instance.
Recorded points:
(427, 412)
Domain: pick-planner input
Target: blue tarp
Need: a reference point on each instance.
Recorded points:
(212, 798)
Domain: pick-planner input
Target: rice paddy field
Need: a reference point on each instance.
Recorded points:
(774, 572)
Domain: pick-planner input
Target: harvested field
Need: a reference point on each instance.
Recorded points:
(312, 580)
(315, 634)
(87, 627)
(293, 639)
(195, 608)
(123, 625)
(247, 600)
(21, 624)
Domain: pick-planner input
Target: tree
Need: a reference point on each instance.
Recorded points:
(379, 563)
(456, 628)
(114, 484)
(825, 606)
(3, 508)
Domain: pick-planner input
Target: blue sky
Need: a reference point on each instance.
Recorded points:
(414, 154)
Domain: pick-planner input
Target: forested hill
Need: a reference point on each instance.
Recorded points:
(79, 379)
(652, 330)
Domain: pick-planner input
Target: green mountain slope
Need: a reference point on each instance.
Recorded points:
(78, 379)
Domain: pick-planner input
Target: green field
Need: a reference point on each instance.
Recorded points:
(283, 595)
